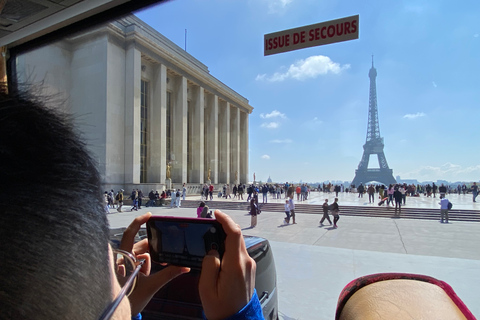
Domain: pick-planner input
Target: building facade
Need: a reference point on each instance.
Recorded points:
(148, 109)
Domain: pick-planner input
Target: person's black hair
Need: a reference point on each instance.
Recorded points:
(202, 204)
(53, 231)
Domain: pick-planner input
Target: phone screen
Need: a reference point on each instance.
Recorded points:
(184, 241)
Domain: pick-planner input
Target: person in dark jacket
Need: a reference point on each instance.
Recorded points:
(335, 212)
(253, 213)
(397, 195)
(325, 213)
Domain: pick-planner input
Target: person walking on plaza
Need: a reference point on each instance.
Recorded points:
(178, 199)
(325, 213)
(397, 195)
(210, 191)
(434, 188)
(474, 191)
(253, 213)
(140, 198)
(403, 191)
(443, 190)
(360, 190)
(287, 212)
(381, 192)
(184, 191)
(119, 198)
(173, 198)
(371, 194)
(265, 193)
(335, 212)
(291, 205)
(445, 205)
(390, 192)
(240, 191)
(298, 190)
(337, 189)
(134, 197)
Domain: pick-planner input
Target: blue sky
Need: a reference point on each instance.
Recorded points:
(311, 106)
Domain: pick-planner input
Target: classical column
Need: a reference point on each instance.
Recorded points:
(224, 141)
(158, 107)
(132, 115)
(198, 132)
(243, 147)
(156, 168)
(234, 144)
(211, 138)
(179, 163)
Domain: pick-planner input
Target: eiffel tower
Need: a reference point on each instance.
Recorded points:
(374, 143)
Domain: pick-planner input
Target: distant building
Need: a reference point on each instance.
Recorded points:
(269, 180)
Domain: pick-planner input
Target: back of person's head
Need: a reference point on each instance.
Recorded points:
(53, 239)
(202, 204)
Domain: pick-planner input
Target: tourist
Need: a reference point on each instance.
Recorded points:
(371, 193)
(140, 198)
(474, 191)
(291, 205)
(442, 190)
(335, 212)
(184, 191)
(240, 191)
(173, 199)
(444, 207)
(265, 193)
(397, 195)
(287, 212)
(325, 213)
(178, 198)
(390, 192)
(381, 192)
(253, 213)
(403, 191)
(360, 190)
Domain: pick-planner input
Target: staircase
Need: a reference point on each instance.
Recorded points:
(357, 211)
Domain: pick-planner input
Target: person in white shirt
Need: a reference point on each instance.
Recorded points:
(444, 209)
(287, 212)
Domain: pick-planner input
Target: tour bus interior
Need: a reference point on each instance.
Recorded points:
(26, 25)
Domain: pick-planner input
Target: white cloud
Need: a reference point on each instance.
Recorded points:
(273, 114)
(270, 125)
(414, 115)
(276, 6)
(281, 141)
(266, 157)
(434, 84)
(312, 124)
(311, 67)
(448, 171)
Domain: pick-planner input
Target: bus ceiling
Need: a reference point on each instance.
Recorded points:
(29, 24)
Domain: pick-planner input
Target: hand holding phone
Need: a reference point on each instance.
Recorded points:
(184, 241)
(227, 285)
(147, 284)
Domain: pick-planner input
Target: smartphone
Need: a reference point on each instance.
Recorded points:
(184, 241)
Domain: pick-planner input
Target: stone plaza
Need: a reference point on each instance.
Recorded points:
(314, 263)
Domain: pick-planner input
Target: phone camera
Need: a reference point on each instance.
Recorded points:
(214, 246)
(213, 229)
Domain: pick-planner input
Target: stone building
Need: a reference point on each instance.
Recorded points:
(145, 106)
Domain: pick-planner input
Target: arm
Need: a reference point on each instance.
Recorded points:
(147, 284)
(227, 287)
